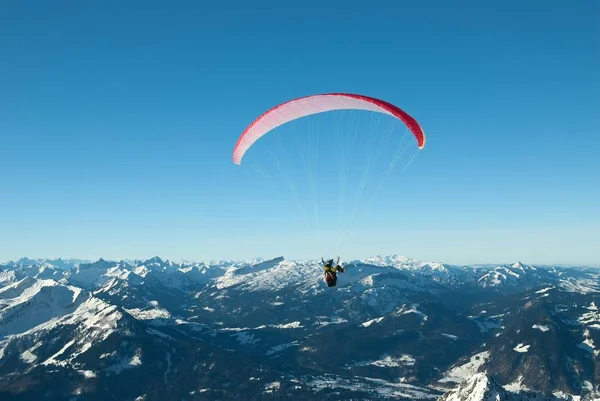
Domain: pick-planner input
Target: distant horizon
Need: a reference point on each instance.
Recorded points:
(194, 260)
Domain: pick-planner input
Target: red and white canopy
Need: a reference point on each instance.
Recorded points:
(308, 105)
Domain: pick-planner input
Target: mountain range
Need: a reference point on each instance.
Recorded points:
(393, 328)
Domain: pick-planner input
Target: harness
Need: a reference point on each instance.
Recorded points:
(330, 273)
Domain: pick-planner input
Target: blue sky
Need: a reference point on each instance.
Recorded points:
(117, 123)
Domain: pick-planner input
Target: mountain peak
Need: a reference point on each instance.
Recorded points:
(264, 265)
(99, 264)
(155, 259)
(393, 260)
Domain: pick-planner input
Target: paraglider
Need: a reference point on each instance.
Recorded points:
(348, 161)
(331, 271)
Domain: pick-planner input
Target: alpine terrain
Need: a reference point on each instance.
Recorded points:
(392, 328)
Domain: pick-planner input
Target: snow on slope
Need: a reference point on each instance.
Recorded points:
(95, 317)
(434, 269)
(378, 387)
(591, 318)
(516, 386)
(281, 347)
(302, 275)
(7, 276)
(521, 348)
(499, 276)
(480, 387)
(581, 286)
(90, 275)
(476, 388)
(513, 275)
(370, 322)
(36, 303)
(461, 372)
(588, 343)
(92, 322)
(125, 362)
(204, 272)
(149, 314)
(412, 309)
(388, 361)
(396, 261)
(17, 288)
(541, 327)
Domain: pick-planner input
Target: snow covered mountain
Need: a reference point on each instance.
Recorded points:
(393, 328)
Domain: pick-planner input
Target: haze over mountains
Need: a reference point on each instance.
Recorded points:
(393, 328)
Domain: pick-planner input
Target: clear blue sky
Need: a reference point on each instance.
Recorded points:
(117, 123)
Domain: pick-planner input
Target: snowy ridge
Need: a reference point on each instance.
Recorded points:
(271, 276)
(90, 324)
(512, 275)
(17, 288)
(433, 269)
(35, 302)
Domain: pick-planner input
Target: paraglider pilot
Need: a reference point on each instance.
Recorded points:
(331, 271)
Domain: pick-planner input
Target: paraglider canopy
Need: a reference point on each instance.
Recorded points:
(333, 163)
(308, 105)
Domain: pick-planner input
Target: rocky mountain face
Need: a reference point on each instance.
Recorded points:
(393, 328)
